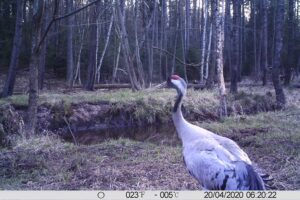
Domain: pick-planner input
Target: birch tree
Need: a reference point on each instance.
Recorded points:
(208, 52)
(211, 71)
(98, 71)
(203, 45)
(120, 9)
(219, 24)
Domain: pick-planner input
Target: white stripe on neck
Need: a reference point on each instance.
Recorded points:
(183, 127)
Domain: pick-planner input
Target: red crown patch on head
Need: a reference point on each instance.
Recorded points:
(175, 77)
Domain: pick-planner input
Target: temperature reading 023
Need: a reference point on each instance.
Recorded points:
(134, 194)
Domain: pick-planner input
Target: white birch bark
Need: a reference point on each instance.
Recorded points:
(98, 71)
(219, 24)
(203, 45)
(116, 64)
(208, 53)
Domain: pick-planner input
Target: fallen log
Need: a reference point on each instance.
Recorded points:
(125, 85)
(296, 85)
(196, 86)
(107, 86)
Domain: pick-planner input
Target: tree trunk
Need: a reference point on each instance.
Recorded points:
(77, 76)
(120, 7)
(91, 72)
(194, 21)
(219, 24)
(176, 38)
(38, 12)
(70, 59)
(253, 12)
(264, 60)
(17, 41)
(291, 40)
(139, 63)
(150, 45)
(208, 52)
(42, 65)
(274, 34)
(235, 47)
(98, 73)
(187, 26)
(162, 38)
(183, 20)
(228, 39)
(203, 49)
(241, 19)
(211, 72)
(184, 56)
(42, 59)
(116, 64)
(280, 97)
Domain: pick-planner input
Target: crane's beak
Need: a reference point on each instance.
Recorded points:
(162, 85)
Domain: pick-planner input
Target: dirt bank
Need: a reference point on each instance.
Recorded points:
(63, 113)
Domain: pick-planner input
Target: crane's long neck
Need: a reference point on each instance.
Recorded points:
(178, 119)
(178, 103)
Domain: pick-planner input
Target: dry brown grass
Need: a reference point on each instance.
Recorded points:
(47, 163)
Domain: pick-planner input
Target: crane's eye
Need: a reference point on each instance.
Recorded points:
(175, 77)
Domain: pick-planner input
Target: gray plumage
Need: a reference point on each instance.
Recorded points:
(217, 162)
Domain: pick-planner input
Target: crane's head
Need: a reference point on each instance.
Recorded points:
(178, 83)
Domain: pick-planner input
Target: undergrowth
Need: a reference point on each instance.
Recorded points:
(272, 140)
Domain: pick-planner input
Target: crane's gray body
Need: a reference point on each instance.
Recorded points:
(218, 163)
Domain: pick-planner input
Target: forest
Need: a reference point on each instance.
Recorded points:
(84, 82)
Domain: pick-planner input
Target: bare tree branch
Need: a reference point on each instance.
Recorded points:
(54, 18)
(170, 54)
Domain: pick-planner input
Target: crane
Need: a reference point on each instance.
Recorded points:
(217, 162)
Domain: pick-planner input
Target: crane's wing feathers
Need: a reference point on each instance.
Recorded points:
(225, 143)
(214, 171)
(233, 148)
(208, 169)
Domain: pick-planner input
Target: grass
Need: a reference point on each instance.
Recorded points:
(118, 96)
(272, 140)
(114, 164)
